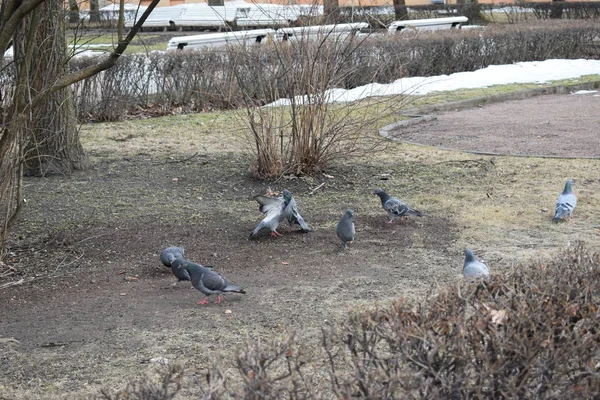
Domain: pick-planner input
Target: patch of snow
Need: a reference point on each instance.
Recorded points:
(522, 72)
(585, 92)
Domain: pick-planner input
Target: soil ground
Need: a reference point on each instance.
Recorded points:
(541, 125)
(96, 305)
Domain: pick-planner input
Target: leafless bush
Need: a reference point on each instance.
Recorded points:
(530, 334)
(275, 370)
(145, 388)
(311, 130)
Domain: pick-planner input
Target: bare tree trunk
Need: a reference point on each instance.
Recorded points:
(215, 3)
(19, 22)
(94, 11)
(73, 12)
(331, 9)
(54, 147)
(400, 10)
(556, 10)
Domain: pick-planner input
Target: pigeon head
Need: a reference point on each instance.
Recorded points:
(568, 188)
(349, 214)
(287, 196)
(469, 255)
(178, 263)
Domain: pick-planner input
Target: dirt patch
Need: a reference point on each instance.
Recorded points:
(551, 125)
(100, 304)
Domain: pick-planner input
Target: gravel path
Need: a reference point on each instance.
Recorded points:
(564, 125)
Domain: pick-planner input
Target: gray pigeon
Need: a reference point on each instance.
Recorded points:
(345, 228)
(170, 254)
(168, 257)
(566, 202)
(277, 210)
(473, 268)
(207, 281)
(293, 215)
(394, 207)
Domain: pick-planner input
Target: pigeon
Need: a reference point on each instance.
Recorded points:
(293, 215)
(566, 202)
(277, 210)
(170, 254)
(345, 228)
(473, 268)
(207, 281)
(394, 207)
(168, 257)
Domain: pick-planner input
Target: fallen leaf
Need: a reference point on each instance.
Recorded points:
(285, 262)
(228, 311)
(123, 294)
(498, 316)
(175, 179)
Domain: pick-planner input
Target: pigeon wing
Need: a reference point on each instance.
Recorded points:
(293, 216)
(395, 207)
(268, 203)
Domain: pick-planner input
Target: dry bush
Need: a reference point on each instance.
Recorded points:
(530, 334)
(146, 388)
(274, 370)
(311, 131)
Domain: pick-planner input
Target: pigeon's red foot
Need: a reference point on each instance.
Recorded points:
(391, 221)
(275, 234)
(205, 301)
(218, 299)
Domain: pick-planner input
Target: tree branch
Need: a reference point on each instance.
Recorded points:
(11, 24)
(112, 58)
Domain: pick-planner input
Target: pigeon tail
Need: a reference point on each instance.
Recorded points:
(414, 212)
(561, 212)
(256, 230)
(234, 289)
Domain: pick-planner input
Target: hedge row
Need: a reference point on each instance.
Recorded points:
(477, 13)
(221, 78)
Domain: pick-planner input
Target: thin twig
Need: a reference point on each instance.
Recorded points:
(16, 283)
(184, 160)
(315, 189)
(92, 237)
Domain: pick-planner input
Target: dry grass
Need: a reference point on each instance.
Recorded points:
(503, 206)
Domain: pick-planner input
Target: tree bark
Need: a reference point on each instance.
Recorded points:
(94, 12)
(215, 3)
(54, 146)
(331, 9)
(400, 10)
(73, 12)
(19, 21)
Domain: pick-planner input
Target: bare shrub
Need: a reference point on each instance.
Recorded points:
(165, 388)
(275, 370)
(310, 130)
(530, 334)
